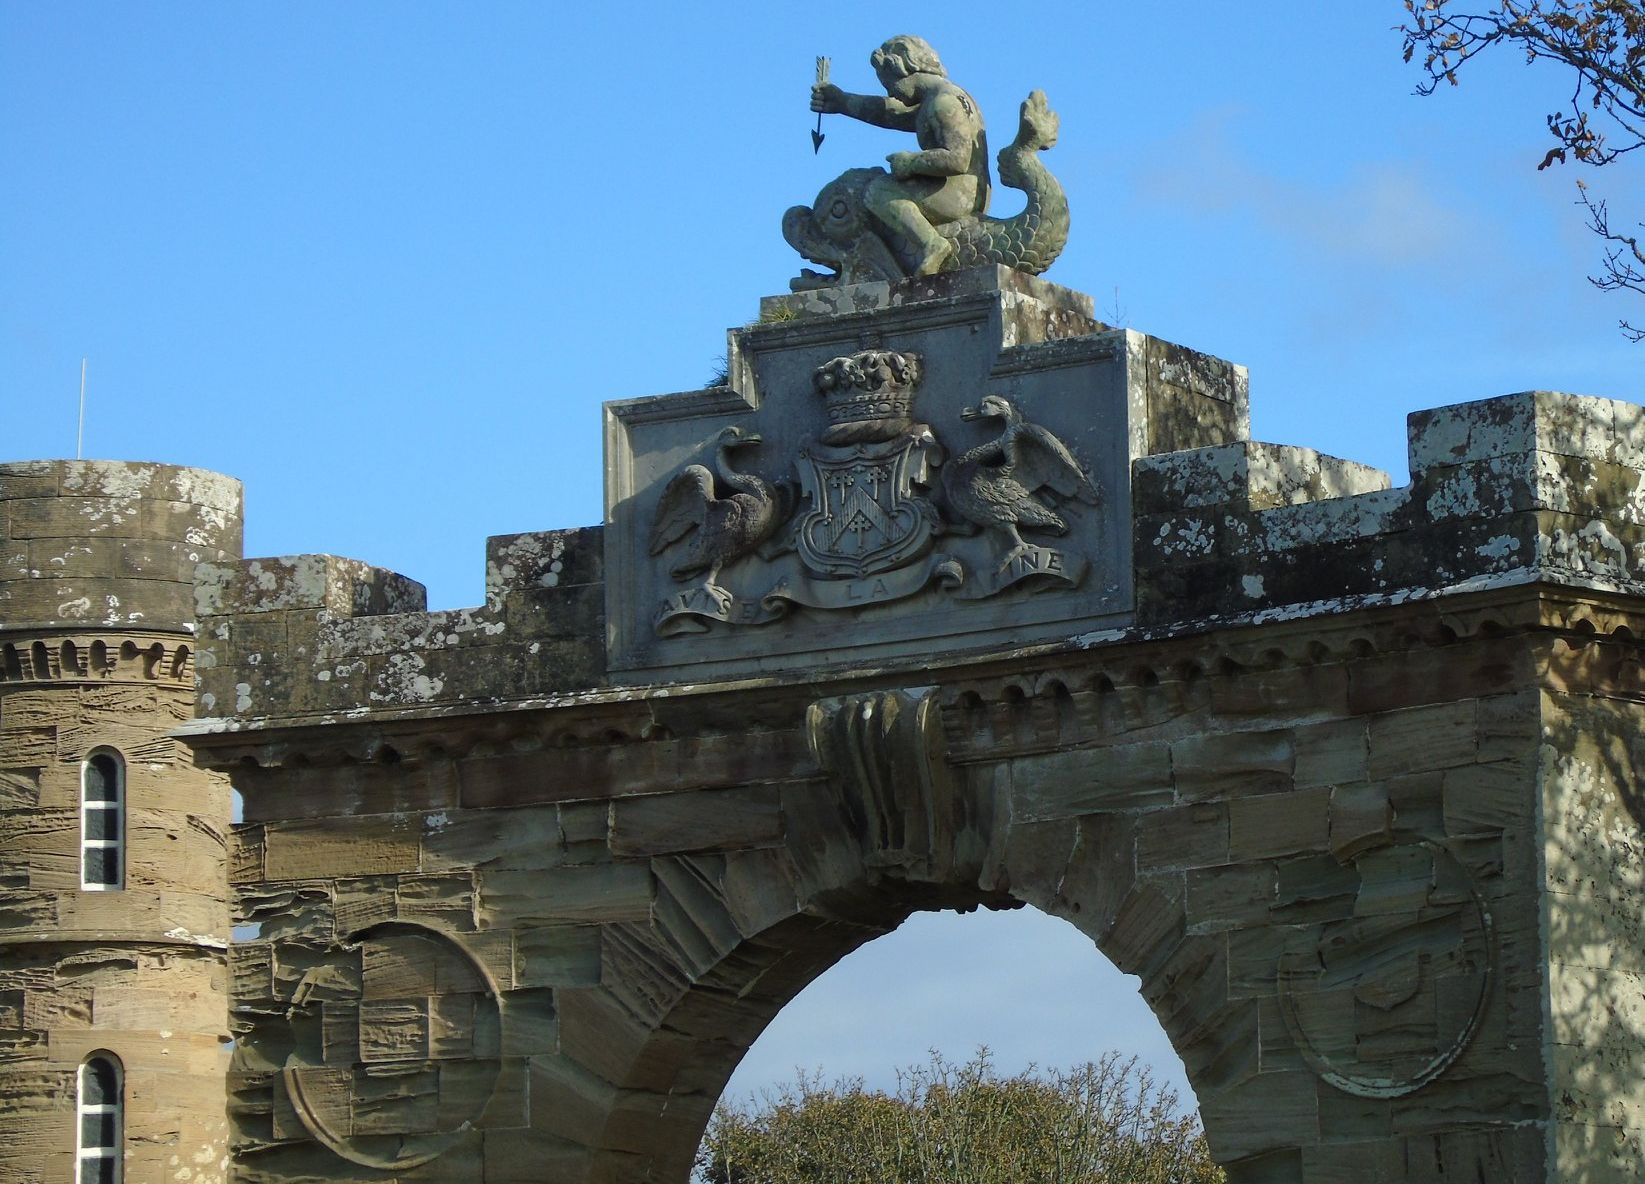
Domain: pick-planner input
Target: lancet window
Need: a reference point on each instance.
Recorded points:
(103, 821)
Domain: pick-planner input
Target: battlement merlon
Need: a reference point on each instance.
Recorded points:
(319, 636)
(1532, 487)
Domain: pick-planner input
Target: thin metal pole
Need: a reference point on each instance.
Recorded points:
(80, 436)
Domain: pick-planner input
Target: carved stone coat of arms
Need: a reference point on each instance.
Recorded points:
(870, 510)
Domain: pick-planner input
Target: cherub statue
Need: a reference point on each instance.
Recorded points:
(928, 213)
(948, 178)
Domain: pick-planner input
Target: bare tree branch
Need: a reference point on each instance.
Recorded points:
(1603, 41)
(1624, 269)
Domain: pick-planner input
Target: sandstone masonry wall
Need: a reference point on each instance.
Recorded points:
(97, 652)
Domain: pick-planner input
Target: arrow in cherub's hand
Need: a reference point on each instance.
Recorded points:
(817, 136)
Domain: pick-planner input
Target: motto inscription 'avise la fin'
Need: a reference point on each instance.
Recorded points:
(874, 511)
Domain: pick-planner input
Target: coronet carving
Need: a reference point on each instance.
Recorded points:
(869, 395)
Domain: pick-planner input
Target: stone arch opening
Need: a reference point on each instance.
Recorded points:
(658, 1089)
(1313, 904)
(1027, 986)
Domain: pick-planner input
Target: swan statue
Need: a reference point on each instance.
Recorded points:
(727, 528)
(995, 486)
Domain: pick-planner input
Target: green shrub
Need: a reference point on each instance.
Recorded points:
(962, 1124)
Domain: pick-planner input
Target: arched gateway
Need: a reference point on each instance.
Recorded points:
(954, 596)
(1344, 773)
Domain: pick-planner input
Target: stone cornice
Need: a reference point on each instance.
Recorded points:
(1024, 692)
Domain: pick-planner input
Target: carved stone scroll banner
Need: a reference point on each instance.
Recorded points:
(396, 1047)
(695, 607)
(1383, 1002)
(692, 609)
(884, 755)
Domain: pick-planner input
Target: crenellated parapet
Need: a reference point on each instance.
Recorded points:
(1171, 519)
(315, 635)
(1533, 487)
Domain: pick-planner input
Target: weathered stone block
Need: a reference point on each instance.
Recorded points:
(1268, 825)
(1249, 1117)
(557, 956)
(1246, 476)
(375, 843)
(1421, 739)
(1230, 897)
(1360, 814)
(343, 587)
(1053, 785)
(1100, 873)
(1331, 754)
(1148, 926)
(605, 893)
(1194, 400)
(1571, 425)
(1230, 763)
(543, 559)
(1194, 835)
(1593, 1151)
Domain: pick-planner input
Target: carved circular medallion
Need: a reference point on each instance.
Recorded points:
(397, 1046)
(1382, 1002)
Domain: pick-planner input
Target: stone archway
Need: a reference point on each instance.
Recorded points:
(901, 823)
(675, 1075)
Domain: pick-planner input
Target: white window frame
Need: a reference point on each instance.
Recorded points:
(116, 807)
(84, 1109)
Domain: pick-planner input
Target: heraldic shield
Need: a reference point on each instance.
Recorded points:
(867, 511)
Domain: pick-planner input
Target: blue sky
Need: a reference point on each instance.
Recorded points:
(384, 261)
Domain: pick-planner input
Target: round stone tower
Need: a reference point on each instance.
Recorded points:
(114, 919)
